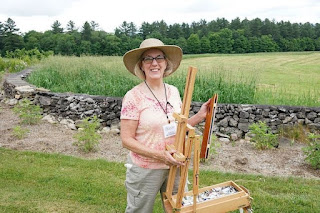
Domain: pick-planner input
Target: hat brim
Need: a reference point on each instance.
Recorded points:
(172, 53)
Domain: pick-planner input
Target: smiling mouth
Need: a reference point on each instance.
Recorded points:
(154, 70)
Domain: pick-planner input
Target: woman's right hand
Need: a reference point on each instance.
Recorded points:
(167, 158)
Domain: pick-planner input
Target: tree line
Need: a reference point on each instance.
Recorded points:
(216, 36)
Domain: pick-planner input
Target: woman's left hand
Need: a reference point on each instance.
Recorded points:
(204, 109)
(201, 114)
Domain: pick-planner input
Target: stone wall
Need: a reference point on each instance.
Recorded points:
(230, 118)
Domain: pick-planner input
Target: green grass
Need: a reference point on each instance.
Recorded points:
(261, 78)
(39, 182)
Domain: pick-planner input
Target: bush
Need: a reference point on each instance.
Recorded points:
(313, 151)
(19, 132)
(2, 64)
(88, 138)
(28, 112)
(295, 133)
(262, 136)
(18, 60)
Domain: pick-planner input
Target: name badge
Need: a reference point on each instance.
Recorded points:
(170, 129)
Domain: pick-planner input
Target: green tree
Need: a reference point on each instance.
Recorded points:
(222, 23)
(97, 41)
(296, 33)
(32, 40)
(225, 41)
(11, 40)
(186, 30)
(307, 30)
(214, 39)
(85, 47)
(255, 27)
(1, 36)
(71, 27)
(127, 43)
(66, 44)
(205, 45)
(267, 44)
(254, 44)
(203, 31)
(174, 31)
(145, 30)
(56, 27)
(309, 44)
(285, 29)
(161, 28)
(86, 31)
(285, 45)
(241, 43)
(127, 29)
(112, 45)
(236, 24)
(317, 44)
(182, 43)
(156, 34)
(246, 27)
(317, 30)
(213, 26)
(9, 27)
(48, 41)
(194, 45)
(94, 25)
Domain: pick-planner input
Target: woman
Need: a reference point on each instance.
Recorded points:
(146, 110)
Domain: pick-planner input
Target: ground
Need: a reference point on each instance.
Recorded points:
(239, 156)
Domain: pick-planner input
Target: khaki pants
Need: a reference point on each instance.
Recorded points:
(143, 186)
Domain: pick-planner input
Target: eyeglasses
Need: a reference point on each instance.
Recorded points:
(149, 59)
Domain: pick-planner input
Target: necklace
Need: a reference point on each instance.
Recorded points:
(165, 93)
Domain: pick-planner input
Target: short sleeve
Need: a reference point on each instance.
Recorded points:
(174, 99)
(129, 109)
(177, 95)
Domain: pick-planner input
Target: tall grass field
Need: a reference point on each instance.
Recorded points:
(39, 182)
(262, 78)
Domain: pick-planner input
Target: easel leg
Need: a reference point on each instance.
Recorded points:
(196, 159)
(184, 173)
(171, 179)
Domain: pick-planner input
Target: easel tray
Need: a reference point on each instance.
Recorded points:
(224, 202)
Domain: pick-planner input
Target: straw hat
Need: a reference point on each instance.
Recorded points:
(172, 52)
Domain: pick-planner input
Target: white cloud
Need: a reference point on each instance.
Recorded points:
(40, 14)
(34, 8)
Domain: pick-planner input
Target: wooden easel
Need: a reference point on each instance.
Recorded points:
(173, 203)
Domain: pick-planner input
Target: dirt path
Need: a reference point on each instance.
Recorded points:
(240, 156)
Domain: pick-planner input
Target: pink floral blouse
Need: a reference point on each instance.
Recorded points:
(139, 104)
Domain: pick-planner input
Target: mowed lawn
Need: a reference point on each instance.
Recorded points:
(40, 182)
(293, 72)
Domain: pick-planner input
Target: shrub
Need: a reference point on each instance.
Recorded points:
(18, 60)
(16, 65)
(2, 64)
(296, 132)
(28, 112)
(312, 151)
(19, 132)
(262, 136)
(88, 138)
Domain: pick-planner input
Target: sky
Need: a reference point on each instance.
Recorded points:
(39, 15)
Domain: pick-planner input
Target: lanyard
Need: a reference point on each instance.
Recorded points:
(165, 93)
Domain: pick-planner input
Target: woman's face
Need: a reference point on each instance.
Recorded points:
(153, 64)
